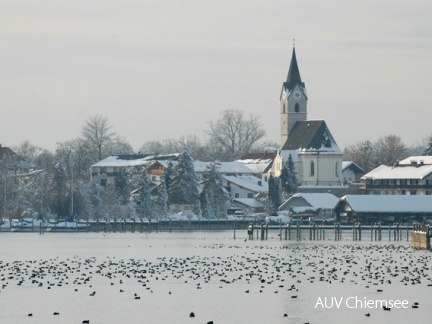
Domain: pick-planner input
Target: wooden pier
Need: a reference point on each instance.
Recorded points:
(317, 232)
(420, 234)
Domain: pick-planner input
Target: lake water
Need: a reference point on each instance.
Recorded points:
(163, 277)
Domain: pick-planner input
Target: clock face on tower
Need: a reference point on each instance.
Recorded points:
(297, 95)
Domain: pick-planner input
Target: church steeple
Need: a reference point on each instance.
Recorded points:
(293, 77)
(293, 99)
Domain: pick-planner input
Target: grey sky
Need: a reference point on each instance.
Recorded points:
(161, 69)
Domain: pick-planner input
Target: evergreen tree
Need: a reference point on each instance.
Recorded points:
(428, 148)
(213, 198)
(96, 197)
(161, 201)
(183, 188)
(59, 186)
(122, 187)
(145, 199)
(206, 205)
(288, 177)
(168, 176)
(110, 197)
(274, 193)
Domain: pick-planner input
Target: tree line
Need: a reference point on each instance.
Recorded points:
(60, 183)
(387, 150)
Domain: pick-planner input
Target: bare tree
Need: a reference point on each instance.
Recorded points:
(361, 153)
(386, 150)
(97, 132)
(390, 149)
(234, 134)
(118, 145)
(28, 151)
(196, 148)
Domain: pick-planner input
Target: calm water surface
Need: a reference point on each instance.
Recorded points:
(99, 277)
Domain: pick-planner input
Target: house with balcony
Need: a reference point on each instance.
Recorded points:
(411, 176)
(110, 167)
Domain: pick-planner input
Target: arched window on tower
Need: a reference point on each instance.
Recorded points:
(283, 108)
(312, 168)
(336, 170)
(297, 107)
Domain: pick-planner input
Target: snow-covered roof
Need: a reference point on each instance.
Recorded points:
(284, 154)
(223, 167)
(258, 162)
(303, 209)
(249, 202)
(346, 164)
(352, 166)
(389, 203)
(116, 161)
(423, 159)
(311, 136)
(200, 167)
(399, 172)
(133, 160)
(316, 200)
(248, 182)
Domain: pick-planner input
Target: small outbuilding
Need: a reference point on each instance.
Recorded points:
(305, 205)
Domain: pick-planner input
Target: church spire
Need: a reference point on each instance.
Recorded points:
(293, 100)
(293, 77)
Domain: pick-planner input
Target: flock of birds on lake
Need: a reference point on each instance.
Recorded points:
(283, 269)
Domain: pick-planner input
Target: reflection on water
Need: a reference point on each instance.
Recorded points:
(162, 277)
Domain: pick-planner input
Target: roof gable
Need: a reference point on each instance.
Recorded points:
(350, 165)
(316, 200)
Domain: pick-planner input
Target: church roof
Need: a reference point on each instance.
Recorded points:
(311, 135)
(293, 77)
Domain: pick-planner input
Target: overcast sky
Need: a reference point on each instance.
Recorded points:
(161, 69)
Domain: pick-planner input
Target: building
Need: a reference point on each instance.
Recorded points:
(411, 176)
(244, 186)
(260, 163)
(110, 167)
(310, 205)
(390, 209)
(351, 172)
(316, 156)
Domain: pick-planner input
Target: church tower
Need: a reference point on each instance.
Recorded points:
(293, 100)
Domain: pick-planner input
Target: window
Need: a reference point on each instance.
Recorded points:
(297, 107)
(237, 195)
(250, 195)
(312, 168)
(283, 108)
(336, 170)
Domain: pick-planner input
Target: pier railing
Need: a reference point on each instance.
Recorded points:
(420, 234)
(337, 231)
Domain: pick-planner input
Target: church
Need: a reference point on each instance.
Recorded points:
(316, 156)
